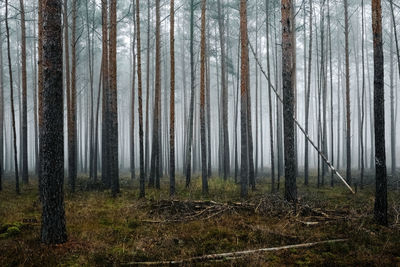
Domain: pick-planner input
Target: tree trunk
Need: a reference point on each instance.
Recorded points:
(225, 132)
(192, 93)
(348, 119)
(393, 121)
(1, 111)
(147, 90)
(381, 204)
(202, 100)
(271, 130)
(288, 98)
(113, 127)
(172, 102)
(362, 97)
(24, 145)
(71, 95)
(156, 150)
(132, 129)
(12, 103)
(105, 173)
(139, 75)
(244, 170)
(308, 93)
(53, 229)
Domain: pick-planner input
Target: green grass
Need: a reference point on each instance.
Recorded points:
(104, 231)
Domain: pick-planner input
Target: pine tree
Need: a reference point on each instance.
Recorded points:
(52, 148)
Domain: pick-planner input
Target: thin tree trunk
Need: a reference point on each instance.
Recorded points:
(192, 93)
(113, 126)
(12, 103)
(202, 100)
(147, 91)
(132, 129)
(308, 93)
(1, 111)
(362, 97)
(24, 145)
(139, 74)
(393, 121)
(172, 101)
(348, 119)
(225, 132)
(271, 130)
(381, 204)
(156, 150)
(106, 176)
(244, 172)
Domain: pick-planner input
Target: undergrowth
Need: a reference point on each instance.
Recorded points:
(104, 231)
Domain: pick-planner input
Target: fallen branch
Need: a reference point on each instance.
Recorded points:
(231, 255)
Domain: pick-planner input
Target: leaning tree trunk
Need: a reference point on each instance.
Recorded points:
(380, 209)
(52, 149)
(12, 103)
(288, 54)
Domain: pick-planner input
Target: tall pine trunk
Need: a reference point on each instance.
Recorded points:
(348, 119)
(139, 76)
(202, 100)
(288, 54)
(381, 204)
(244, 169)
(172, 102)
(24, 145)
(113, 126)
(53, 230)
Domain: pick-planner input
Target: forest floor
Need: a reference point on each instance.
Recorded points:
(124, 231)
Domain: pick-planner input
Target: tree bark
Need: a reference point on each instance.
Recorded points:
(172, 101)
(53, 230)
(288, 98)
(380, 210)
(271, 124)
(348, 118)
(139, 76)
(113, 127)
(24, 145)
(308, 93)
(202, 100)
(192, 88)
(156, 150)
(244, 170)
(225, 132)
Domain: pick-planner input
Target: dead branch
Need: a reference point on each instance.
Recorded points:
(231, 255)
